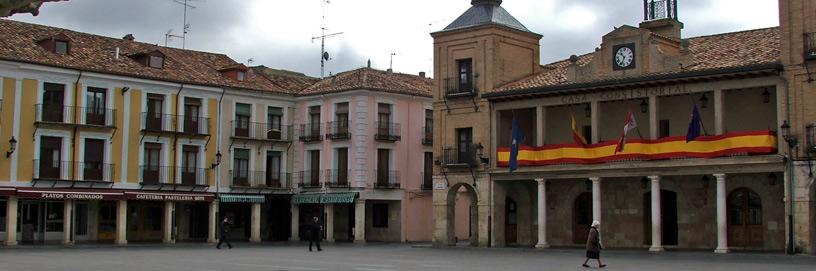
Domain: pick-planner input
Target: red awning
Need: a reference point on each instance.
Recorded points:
(170, 196)
(69, 194)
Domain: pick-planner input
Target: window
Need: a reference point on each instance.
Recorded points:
(192, 113)
(427, 174)
(383, 167)
(242, 115)
(273, 169)
(314, 168)
(155, 62)
(241, 75)
(587, 131)
(274, 123)
(61, 47)
(665, 129)
(189, 164)
(155, 105)
(384, 113)
(95, 106)
(341, 116)
(53, 103)
(151, 168)
(428, 118)
(50, 157)
(241, 167)
(153, 218)
(465, 75)
(93, 166)
(342, 167)
(314, 121)
(464, 140)
(379, 211)
(3, 215)
(427, 137)
(54, 216)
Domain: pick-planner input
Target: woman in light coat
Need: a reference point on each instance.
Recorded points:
(593, 245)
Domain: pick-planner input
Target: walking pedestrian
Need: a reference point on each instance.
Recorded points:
(315, 229)
(225, 228)
(594, 246)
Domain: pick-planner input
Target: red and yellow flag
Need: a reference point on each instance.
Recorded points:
(576, 136)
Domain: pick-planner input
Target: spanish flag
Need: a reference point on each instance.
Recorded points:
(579, 139)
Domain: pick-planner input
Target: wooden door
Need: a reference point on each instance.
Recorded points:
(465, 75)
(668, 217)
(383, 166)
(581, 218)
(273, 169)
(464, 142)
(95, 106)
(745, 219)
(342, 166)
(191, 115)
(427, 175)
(510, 222)
(53, 103)
(50, 157)
(94, 153)
(189, 165)
(152, 161)
(314, 170)
(154, 112)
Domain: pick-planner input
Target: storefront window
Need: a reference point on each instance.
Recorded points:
(2, 215)
(54, 217)
(153, 217)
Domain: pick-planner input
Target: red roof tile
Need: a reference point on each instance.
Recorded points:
(371, 79)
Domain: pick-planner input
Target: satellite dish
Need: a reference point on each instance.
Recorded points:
(326, 55)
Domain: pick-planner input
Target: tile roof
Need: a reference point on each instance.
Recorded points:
(486, 13)
(93, 53)
(705, 53)
(371, 79)
(292, 81)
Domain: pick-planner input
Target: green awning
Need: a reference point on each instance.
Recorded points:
(235, 198)
(324, 198)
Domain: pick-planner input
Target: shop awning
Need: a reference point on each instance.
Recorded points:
(324, 198)
(234, 198)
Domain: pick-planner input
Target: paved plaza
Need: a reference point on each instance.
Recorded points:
(373, 257)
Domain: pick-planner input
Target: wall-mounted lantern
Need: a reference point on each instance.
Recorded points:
(12, 147)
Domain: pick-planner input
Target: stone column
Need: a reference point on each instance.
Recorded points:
(595, 106)
(542, 214)
(212, 222)
(255, 228)
(121, 222)
(167, 223)
(67, 218)
(654, 118)
(657, 223)
(596, 198)
(359, 222)
(541, 122)
(722, 226)
(329, 209)
(11, 221)
(295, 223)
(719, 108)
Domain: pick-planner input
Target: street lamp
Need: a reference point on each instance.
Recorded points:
(790, 139)
(12, 147)
(588, 111)
(766, 96)
(644, 106)
(217, 160)
(704, 101)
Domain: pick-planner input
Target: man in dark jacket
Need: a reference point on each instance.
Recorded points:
(593, 245)
(315, 230)
(225, 228)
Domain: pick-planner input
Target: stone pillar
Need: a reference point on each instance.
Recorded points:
(657, 223)
(654, 117)
(541, 122)
(596, 198)
(595, 106)
(167, 223)
(722, 226)
(212, 222)
(329, 208)
(295, 223)
(11, 221)
(67, 219)
(542, 214)
(719, 108)
(359, 222)
(255, 228)
(121, 222)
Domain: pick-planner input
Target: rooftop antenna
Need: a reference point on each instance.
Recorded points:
(324, 56)
(391, 65)
(250, 61)
(186, 5)
(169, 36)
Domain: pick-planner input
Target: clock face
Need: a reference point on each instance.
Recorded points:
(624, 57)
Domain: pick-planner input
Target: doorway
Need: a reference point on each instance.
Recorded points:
(745, 219)
(668, 217)
(41, 222)
(581, 217)
(511, 222)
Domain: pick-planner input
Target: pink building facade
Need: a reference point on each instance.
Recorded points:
(362, 157)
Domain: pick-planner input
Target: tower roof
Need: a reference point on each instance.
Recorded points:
(486, 12)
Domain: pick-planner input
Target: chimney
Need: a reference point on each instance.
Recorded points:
(389, 70)
(129, 37)
(422, 74)
(117, 53)
(369, 63)
(572, 68)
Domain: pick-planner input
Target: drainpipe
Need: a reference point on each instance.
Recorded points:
(74, 132)
(218, 141)
(791, 249)
(175, 134)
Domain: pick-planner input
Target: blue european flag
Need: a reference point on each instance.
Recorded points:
(695, 123)
(515, 134)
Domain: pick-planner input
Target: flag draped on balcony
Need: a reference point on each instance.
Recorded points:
(576, 136)
(515, 135)
(695, 123)
(628, 126)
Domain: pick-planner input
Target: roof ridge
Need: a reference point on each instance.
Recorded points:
(734, 32)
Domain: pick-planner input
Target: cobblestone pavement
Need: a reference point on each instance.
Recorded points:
(374, 257)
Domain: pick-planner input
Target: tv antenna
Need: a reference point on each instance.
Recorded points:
(186, 4)
(169, 36)
(324, 56)
(391, 64)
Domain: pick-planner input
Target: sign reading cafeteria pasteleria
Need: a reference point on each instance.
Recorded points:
(169, 196)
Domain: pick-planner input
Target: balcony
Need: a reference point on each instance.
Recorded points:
(454, 90)
(311, 132)
(338, 130)
(259, 179)
(810, 46)
(427, 136)
(387, 179)
(387, 131)
(261, 131)
(454, 158)
(157, 122)
(70, 115)
(308, 179)
(427, 180)
(62, 171)
(337, 178)
(186, 176)
(195, 126)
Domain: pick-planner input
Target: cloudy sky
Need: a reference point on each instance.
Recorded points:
(278, 33)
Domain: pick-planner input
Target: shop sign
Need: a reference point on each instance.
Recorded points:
(169, 196)
(69, 195)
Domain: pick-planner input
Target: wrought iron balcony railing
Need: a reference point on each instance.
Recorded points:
(454, 89)
(310, 132)
(387, 131)
(337, 177)
(46, 113)
(82, 171)
(308, 179)
(338, 130)
(157, 122)
(261, 131)
(195, 126)
(182, 175)
(259, 179)
(388, 179)
(427, 135)
(453, 157)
